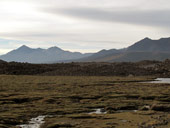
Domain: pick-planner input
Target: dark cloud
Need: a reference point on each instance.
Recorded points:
(94, 24)
(37, 34)
(160, 18)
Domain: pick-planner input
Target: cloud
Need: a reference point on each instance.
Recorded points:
(74, 46)
(156, 18)
(82, 25)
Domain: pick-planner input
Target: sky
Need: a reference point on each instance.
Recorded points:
(81, 25)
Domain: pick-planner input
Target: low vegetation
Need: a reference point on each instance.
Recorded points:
(68, 100)
(143, 68)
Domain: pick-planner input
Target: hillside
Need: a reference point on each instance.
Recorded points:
(149, 45)
(146, 49)
(39, 55)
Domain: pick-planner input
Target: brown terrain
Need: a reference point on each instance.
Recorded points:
(68, 94)
(142, 68)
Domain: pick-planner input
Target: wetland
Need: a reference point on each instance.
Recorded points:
(83, 102)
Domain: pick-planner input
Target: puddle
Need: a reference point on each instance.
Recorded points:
(120, 111)
(34, 122)
(124, 121)
(98, 111)
(102, 111)
(160, 80)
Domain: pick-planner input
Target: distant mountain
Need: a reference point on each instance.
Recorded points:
(102, 55)
(53, 54)
(149, 45)
(146, 49)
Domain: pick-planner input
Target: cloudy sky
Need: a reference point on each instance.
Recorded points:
(81, 25)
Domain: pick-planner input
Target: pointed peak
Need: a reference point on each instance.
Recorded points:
(24, 47)
(146, 38)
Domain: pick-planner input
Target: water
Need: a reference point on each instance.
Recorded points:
(98, 111)
(102, 111)
(34, 122)
(121, 111)
(160, 80)
(124, 121)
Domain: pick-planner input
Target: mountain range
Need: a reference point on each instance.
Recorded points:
(145, 49)
(39, 55)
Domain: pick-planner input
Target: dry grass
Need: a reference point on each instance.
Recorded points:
(69, 99)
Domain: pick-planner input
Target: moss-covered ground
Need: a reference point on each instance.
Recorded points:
(69, 100)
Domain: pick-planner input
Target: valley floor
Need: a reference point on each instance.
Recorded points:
(68, 101)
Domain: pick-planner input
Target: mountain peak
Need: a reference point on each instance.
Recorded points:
(38, 55)
(24, 47)
(146, 38)
(54, 49)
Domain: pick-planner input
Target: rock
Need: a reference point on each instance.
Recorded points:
(145, 108)
(60, 125)
(159, 107)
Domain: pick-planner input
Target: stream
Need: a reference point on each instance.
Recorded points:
(160, 80)
(34, 122)
(98, 111)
